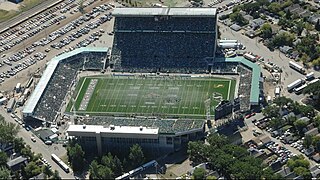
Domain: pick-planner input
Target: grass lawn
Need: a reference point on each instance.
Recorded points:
(183, 97)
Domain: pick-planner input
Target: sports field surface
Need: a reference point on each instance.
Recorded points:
(158, 96)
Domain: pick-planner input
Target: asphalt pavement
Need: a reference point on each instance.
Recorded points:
(22, 15)
(40, 147)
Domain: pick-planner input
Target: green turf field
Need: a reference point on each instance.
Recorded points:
(181, 97)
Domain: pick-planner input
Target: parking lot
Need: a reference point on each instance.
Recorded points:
(28, 47)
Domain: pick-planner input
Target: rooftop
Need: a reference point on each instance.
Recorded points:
(164, 11)
(256, 71)
(16, 161)
(46, 76)
(113, 129)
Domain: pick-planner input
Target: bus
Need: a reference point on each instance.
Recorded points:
(310, 76)
(295, 84)
(250, 57)
(277, 92)
(63, 166)
(313, 81)
(228, 41)
(297, 67)
(299, 89)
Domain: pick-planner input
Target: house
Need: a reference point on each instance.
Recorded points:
(235, 27)
(39, 176)
(251, 33)
(285, 49)
(316, 157)
(312, 132)
(248, 17)
(286, 117)
(309, 151)
(15, 164)
(315, 171)
(257, 23)
(305, 119)
(314, 18)
(292, 8)
(285, 171)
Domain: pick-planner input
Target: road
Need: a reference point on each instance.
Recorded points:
(247, 135)
(40, 147)
(17, 18)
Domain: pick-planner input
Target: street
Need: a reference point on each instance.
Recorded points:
(40, 147)
(248, 135)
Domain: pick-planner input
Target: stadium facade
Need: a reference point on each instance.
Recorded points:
(145, 40)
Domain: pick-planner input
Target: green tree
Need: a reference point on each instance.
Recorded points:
(47, 171)
(282, 101)
(307, 142)
(317, 26)
(298, 161)
(274, 7)
(238, 18)
(266, 30)
(136, 155)
(76, 157)
(271, 111)
(32, 169)
(299, 27)
(118, 166)
(18, 144)
(314, 90)
(8, 131)
(93, 170)
(302, 171)
(55, 175)
(199, 173)
(3, 158)
(300, 125)
(4, 173)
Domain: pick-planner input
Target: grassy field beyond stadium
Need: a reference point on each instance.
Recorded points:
(161, 96)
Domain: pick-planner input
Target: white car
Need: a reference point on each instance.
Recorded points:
(33, 139)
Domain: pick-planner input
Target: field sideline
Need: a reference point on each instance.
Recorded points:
(159, 96)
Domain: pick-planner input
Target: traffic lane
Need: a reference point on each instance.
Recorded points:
(289, 75)
(251, 126)
(31, 11)
(293, 150)
(38, 146)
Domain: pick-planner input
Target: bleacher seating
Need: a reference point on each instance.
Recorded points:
(173, 44)
(164, 125)
(61, 81)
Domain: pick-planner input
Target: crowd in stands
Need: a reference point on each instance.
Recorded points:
(190, 47)
(164, 125)
(62, 79)
(224, 68)
(244, 87)
(165, 23)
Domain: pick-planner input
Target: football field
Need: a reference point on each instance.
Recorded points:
(159, 96)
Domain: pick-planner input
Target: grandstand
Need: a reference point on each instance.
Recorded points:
(164, 39)
(114, 110)
(47, 98)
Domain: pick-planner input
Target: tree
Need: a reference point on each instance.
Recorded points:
(55, 175)
(266, 30)
(302, 171)
(18, 144)
(282, 101)
(199, 173)
(4, 173)
(298, 161)
(317, 26)
(3, 158)
(238, 18)
(8, 131)
(76, 157)
(93, 170)
(136, 155)
(300, 125)
(32, 169)
(271, 111)
(218, 141)
(118, 166)
(274, 8)
(99, 171)
(299, 27)
(314, 90)
(307, 142)
(47, 171)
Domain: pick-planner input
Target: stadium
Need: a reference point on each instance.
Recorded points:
(157, 86)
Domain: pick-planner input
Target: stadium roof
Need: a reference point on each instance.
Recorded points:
(164, 11)
(116, 130)
(256, 71)
(46, 76)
